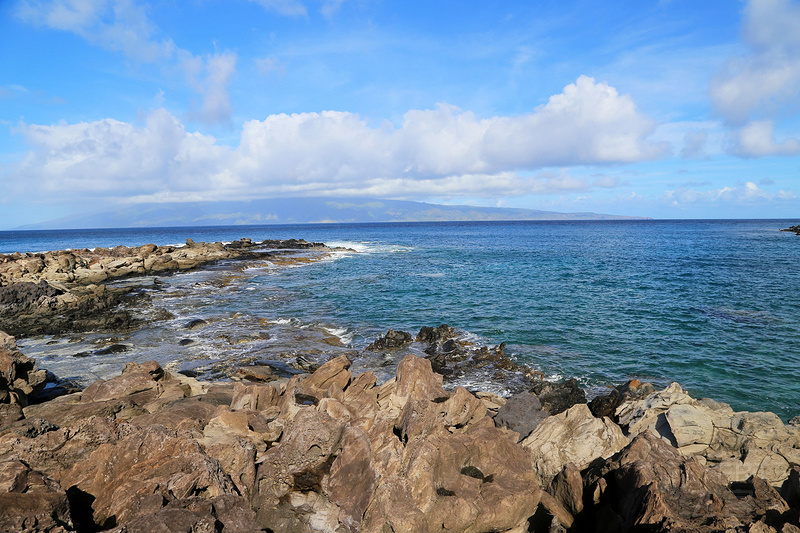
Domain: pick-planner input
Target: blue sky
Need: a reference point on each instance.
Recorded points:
(663, 108)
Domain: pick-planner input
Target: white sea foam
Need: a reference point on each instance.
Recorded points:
(342, 333)
(370, 247)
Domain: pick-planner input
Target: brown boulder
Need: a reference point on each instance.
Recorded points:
(141, 472)
(31, 501)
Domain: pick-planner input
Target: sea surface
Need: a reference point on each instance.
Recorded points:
(714, 305)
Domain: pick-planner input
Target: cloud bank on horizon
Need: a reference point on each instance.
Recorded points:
(665, 109)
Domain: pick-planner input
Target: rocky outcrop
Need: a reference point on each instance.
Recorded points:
(392, 340)
(795, 229)
(52, 292)
(326, 452)
(20, 380)
(574, 436)
(31, 501)
(651, 486)
(521, 413)
(737, 444)
(149, 450)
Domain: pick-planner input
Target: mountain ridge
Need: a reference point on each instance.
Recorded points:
(301, 211)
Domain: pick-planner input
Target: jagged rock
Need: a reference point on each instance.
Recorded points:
(606, 405)
(739, 445)
(435, 336)
(134, 379)
(558, 397)
(650, 486)
(334, 373)
(391, 341)
(521, 413)
(10, 413)
(574, 436)
(31, 501)
(299, 463)
(20, 379)
(567, 489)
(198, 515)
(138, 474)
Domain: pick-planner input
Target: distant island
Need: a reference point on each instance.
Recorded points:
(299, 211)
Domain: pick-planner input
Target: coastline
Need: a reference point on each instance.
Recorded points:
(331, 450)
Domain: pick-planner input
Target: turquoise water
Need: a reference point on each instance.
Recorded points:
(710, 304)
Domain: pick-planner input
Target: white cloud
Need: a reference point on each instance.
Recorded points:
(112, 158)
(433, 152)
(757, 139)
(123, 26)
(747, 193)
(767, 80)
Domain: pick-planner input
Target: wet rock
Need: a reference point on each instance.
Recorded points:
(113, 349)
(435, 337)
(391, 341)
(521, 413)
(558, 397)
(31, 501)
(574, 436)
(195, 324)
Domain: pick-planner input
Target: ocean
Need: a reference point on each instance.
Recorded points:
(711, 304)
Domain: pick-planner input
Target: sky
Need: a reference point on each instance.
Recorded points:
(657, 108)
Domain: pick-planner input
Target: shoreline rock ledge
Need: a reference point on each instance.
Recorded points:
(150, 450)
(70, 290)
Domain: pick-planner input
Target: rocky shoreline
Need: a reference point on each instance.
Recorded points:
(70, 290)
(330, 451)
(794, 229)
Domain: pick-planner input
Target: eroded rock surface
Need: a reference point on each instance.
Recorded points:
(149, 450)
(66, 290)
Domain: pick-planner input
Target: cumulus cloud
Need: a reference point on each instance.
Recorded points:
(757, 139)
(436, 151)
(767, 80)
(112, 158)
(123, 26)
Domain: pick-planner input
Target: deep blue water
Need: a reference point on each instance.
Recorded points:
(713, 305)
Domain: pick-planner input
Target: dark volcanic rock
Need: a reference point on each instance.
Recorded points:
(38, 308)
(435, 337)
(794, 229)
(391, 341)
(558, 397)
(606, 405)
(522, 413)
